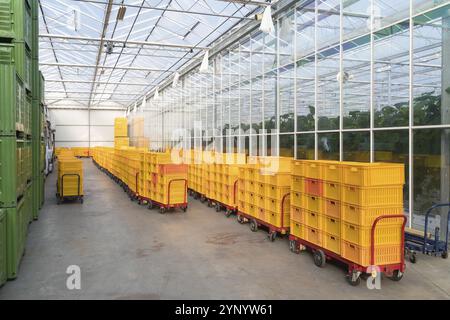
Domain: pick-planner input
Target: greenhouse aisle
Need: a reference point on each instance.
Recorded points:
(128, 252)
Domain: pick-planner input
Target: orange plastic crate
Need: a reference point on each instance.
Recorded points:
(332, 208)
(385, 234)
(373, 196)
(384, 255)
(314, 187)
(297, 214)
(332, 190)
(365, 216)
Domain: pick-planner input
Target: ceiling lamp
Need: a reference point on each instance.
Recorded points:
(156, 95)
(176, 79)
(121, 13)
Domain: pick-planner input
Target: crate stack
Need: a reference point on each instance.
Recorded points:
(121, 133)
(264, 191)
(20, 159)
(335, 204)
(70, 178)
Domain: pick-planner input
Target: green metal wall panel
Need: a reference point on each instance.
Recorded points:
(3, 272)
(6, 53)
(16, 233)
(16, 20)
(8, 172)
(7, 100)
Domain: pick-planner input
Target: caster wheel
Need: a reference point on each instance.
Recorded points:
(196, 196)
(184, 209)
(353, 279)
(240, 219)
(150, 205)
(228, 213)
(162, 210)
(272, 236)
(254, 226)
(397, 275)
(413, 258)
(293, 246)
(202, 199)
(210, 204)
(218, 208)
(81, 200)
(319, 258)
(445, 255)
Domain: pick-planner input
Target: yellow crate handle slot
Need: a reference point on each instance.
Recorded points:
(354, 169)
(332, 167)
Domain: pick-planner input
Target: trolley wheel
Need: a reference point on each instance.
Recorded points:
(202, 199)
(272, 236)
(184, 209)
(293, 246)
(253, 225)
(140, 202)
(150, 205)
(319, 258)
(210, 204)
(228, 213)
(218, 207)
(397, 275)
(413, 258)
(353, 279)
(240, 219)
(445, 255)
(81, 200)
(162, 210)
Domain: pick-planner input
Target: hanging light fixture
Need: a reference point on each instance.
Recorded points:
(176, 79)
(266, 21)
(156, 95)
(144, 104)
(135, 107)
(121, 13)
(205, 63)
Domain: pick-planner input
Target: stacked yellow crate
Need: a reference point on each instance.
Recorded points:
(121, 133)
(264, 189)
(334, 205)
(70, 177)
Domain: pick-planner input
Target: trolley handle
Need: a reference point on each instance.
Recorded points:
(62, 182)
(235, 191)
(427, 215)
(282, 208)
(185, 189)
(372, 238)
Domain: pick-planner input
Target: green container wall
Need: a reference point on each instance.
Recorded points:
(8, 172)
(23, 63)
(7, 100)
(16, 20)
(3, 271)
(28, 196)
(42, 87)
(16, 233)
(27, 114)
(6, 53)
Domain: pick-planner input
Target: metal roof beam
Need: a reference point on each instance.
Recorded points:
(101, 67)
(98, 82)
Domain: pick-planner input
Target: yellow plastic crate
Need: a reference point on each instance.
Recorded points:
(296, 199)
(242, 206)
(250, 198)
(120, 127)
(278, 179)
(331, 242)
(252, 210)
(312, 203)
(332, 171)
(332, 190)
(260, 201)
(386, 234)
(298, 184)
(384, 255)
(276, 192)
(331, 225)
(260, 189)
(312, 169)
(274, 205)
(274, 219)
(313, 220)
(365, 216)
(297, 229)
(373, 174)
(250, 185)
(373, 196)
(261, 214)
(298, 168)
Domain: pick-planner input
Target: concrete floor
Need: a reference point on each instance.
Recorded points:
(128, 252)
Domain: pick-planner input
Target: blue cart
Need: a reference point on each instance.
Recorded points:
(426, 242)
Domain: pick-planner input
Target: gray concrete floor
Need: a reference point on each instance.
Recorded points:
(128, 252)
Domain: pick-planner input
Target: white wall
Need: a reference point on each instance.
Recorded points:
(73, 129)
